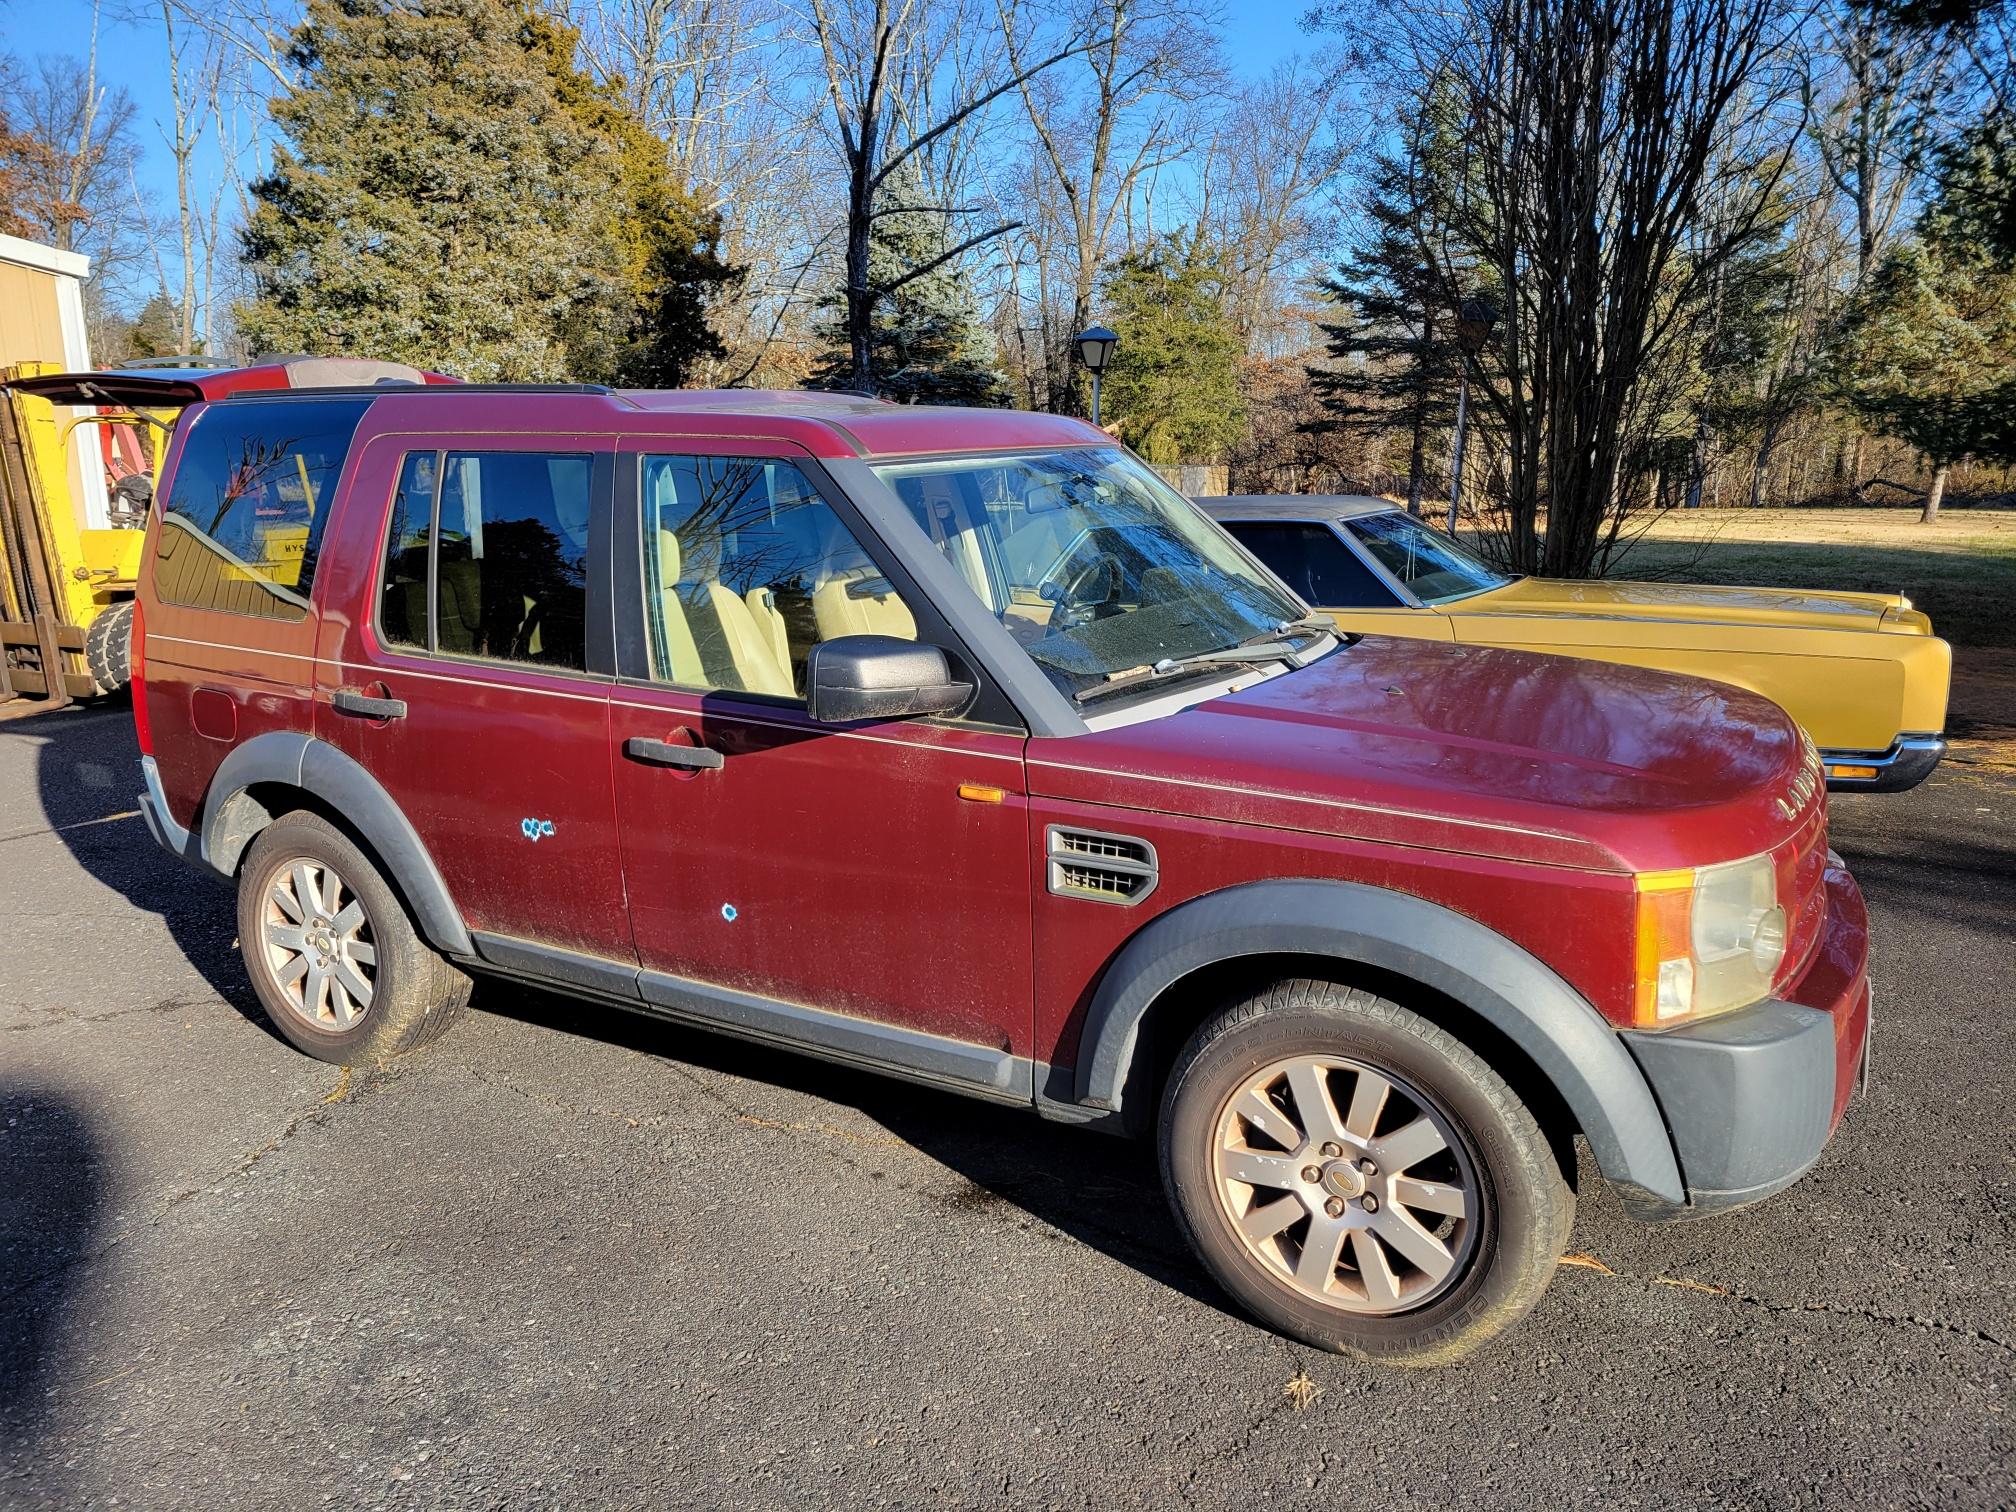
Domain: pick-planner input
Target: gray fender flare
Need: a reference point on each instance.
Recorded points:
(1572, 1044)
(232, 818)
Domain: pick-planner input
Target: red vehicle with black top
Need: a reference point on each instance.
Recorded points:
(955, 744)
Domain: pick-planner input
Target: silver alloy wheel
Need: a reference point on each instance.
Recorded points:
(1371, 1210)
(319, 945)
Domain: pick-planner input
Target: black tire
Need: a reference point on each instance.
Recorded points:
(416, 994)
(108, 648)
(1523, 1208)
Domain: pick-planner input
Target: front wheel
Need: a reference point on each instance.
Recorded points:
(1359, 1178)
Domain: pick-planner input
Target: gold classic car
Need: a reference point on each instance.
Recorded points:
(1862, 672)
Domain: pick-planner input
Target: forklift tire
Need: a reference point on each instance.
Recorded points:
(108, 648)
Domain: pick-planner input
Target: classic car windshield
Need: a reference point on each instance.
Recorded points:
(1091, 561)
(1432, 566)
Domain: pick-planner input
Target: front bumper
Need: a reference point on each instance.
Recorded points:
(1750, 1098)
(1908, 762)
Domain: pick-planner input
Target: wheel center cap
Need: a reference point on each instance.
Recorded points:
(1343, 1179)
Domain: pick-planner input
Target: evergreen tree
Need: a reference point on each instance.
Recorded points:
(1173, 386)
(1397, 365)
(667, 242)
(1927, 352)
(156, 330)
(436, 201)
(928, 342)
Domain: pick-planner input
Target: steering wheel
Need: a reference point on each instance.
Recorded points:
(1084, 594)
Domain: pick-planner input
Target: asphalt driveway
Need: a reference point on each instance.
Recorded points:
(567, 1257)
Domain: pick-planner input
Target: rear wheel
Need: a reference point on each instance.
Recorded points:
(335, 960)
(1359, 1178)
(108, 648)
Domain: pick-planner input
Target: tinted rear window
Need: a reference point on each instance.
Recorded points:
(243, 520)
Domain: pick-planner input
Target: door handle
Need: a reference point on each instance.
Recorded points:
(664, 753)
(363, 705)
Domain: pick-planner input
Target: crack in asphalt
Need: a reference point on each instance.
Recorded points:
(56, 1017)
(58, 829)
(347, 1093)
(1833, 1309)
(1232, 1450)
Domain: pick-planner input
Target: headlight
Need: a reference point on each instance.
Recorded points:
(1708, 940)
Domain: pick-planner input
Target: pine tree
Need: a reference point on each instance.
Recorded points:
(667, 242)
(1396, 364)
(435, 202)
(929, 343)
(1173, 386)
(1927, 351)
(155, 331)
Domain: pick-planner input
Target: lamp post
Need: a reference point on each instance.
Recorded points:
(1474, 323)
(1094, 346)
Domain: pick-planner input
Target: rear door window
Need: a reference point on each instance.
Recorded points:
(487, 556)
(243, 521)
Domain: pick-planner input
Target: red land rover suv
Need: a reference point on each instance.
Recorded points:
(955, 744)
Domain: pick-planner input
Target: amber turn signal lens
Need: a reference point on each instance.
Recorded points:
(1665, 990)
(1852, 771)
(979, 792)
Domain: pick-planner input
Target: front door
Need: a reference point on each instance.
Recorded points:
(477, 693)
(875, 872)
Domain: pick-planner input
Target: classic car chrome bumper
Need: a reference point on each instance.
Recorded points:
(1908, 762)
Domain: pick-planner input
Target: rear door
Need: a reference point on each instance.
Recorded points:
(877, 871)
(472, 674)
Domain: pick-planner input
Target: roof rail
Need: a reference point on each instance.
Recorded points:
(398, 386)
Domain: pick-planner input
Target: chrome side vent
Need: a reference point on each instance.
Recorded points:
(1099, 867)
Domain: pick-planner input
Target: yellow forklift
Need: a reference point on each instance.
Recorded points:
(66, 589)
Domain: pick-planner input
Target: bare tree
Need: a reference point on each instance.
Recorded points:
(195, 99)
(1102, 128)
(71, 144)
(1595, 132)
(865, 46)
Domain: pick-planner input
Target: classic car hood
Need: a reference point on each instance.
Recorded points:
(1468, 748)
(1700, 603)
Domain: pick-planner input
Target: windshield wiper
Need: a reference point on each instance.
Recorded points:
(1248, 654)
(1312, 624)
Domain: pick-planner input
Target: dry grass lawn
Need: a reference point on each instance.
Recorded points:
(1961, 571)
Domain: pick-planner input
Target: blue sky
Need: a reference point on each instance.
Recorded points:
(1258, 34)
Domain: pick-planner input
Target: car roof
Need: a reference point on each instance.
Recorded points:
(1294, 506)
(831, 425)
(875, 427)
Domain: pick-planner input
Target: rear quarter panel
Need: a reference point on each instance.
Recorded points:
(215, 680)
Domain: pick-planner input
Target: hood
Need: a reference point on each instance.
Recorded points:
(1696, 603)
(1467, 748)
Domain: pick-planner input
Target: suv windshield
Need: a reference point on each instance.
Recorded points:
(1430, 564)
(1093, 563)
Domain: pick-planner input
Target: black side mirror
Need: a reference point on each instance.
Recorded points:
(856, 677)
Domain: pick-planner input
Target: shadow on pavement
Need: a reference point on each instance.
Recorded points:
(50, 1197)
(1104, 1192)
(87, 777)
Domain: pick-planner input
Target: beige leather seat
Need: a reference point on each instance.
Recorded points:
(682, 657)
(748, 640)
(763, 607)
(837, 612)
